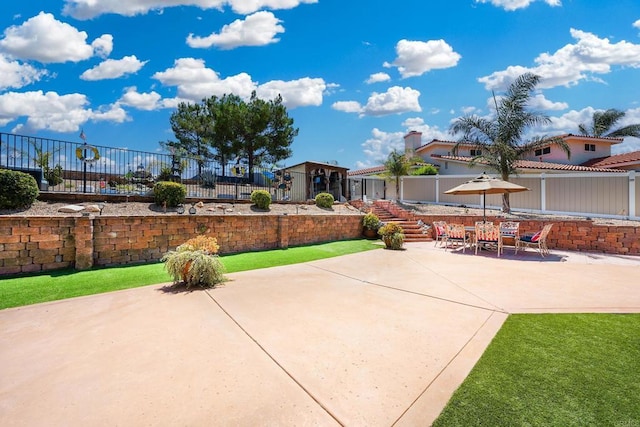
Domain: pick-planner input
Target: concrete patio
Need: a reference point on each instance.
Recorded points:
(378, 338)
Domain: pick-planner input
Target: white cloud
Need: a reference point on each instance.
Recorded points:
(45, 39)
(539, 102)
(141, 101)
(246, 7)
(395, 100)
(295, 93)
(195, 81)
(517, 4)
(88, 9)
(574, 62)
(415, 58)
(469, 110)
(51, 111)
(103, 45)
(113, 68)
(428, 132)
(378, 78)
(113, 113)
(347, 106)
(636, 24)
(16, 75)
(378, 147)
(259, 29)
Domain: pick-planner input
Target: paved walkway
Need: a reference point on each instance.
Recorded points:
(379, 338)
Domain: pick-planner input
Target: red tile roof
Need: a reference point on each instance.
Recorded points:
(615, 140)
(615, 160)
(531, 164)
(368, 171)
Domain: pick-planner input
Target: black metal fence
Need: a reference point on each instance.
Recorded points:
(71, 167)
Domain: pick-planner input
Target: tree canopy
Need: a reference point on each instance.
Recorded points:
(500, 140)
(229, 128)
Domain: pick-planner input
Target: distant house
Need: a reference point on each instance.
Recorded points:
(588, 154)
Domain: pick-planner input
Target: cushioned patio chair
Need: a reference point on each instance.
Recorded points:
(487, 234)
(440, 231)
(457, 235)
(537, 240)
(509, 231)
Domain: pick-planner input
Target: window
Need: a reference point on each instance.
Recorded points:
(589, 147)
(541, 151)
(476, 152)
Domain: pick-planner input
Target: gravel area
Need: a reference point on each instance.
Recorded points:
(40, 208)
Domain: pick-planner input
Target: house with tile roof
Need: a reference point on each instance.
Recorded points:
(589, 182)
(588, 154)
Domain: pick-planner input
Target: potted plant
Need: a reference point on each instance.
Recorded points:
(392, 235)
(371, 224)
(195, 262)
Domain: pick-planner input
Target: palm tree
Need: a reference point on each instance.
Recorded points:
(602, 123)
(397, 165)
(499, 140)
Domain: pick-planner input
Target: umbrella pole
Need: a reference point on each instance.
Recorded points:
(484, 206)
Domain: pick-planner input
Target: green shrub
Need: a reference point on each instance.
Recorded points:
(424, 170)
(261, 198)
(17, 189)
(173, 193)
(53, 175)
(324, 200)
(165, 174)
(392, 235)
(370, 221)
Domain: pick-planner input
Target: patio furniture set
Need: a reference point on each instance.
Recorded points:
(489, 236)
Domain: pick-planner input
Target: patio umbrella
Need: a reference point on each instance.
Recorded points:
(484, 184)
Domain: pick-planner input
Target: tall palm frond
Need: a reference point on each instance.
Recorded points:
(397, 165)
(500, 140)
(602, 123)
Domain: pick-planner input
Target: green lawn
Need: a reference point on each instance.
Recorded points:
(554, 370)
(61, 284)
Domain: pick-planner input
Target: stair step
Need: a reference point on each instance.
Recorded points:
(413, 232)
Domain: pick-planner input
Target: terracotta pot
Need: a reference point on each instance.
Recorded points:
(370, 234)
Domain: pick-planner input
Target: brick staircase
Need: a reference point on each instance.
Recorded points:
(390, 212)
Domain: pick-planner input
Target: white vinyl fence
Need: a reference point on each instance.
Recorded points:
(604, 195)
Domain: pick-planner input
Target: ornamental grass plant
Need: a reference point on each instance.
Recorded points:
(195, 263)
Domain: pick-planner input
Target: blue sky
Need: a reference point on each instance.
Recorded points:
(355, 75)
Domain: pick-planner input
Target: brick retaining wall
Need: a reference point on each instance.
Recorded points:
(566, 234)
(31, 244)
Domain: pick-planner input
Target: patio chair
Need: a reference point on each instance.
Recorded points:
(537, 240)
(487, 233)
(440, 230)
(509, 230)
(456, 235)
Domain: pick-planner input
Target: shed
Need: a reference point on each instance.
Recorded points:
(315, 177)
